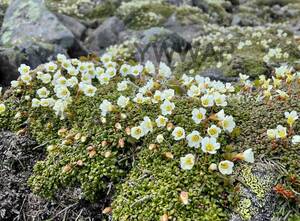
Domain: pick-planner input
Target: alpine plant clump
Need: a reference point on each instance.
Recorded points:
(171, 146)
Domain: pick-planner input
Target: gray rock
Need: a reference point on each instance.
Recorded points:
(180, 2)
(30, 53)
(245, 20)
(8, 65)
(217, 74)
(159, 44)
(188, 32)
(73, 25)
(105, 35)
(258, 207)
(30, 20)
(201, 4)
(3, 8)
(33, 35)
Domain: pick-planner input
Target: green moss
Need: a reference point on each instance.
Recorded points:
(83, 9)
(144, 14)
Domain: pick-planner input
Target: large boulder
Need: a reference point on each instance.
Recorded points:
(106, 34)
(8, 65)
(160, 44)
(30, 20)
(73, 24)
(33, 35)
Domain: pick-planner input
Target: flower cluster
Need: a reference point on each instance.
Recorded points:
(268, 89)
(62, 81)
(212, 94)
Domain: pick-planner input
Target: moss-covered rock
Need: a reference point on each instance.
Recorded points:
(84, 9)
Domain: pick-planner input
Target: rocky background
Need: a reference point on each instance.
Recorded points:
(35, 31)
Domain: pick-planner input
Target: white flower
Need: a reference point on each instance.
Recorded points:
(61, 81)
(137, 132)
(136, 70)
(209, 145)
(271, 133)
(247, 156)
(110, 64)
(0, 91)
(207, 100)
(43, 92)
(62, 92)
(72, 71)
(160, 138)
(243, 77)
(122, 101)
(213, 167)
(157, 97)
(2, 108)
(226, 167)
(45, 78)
(47, 102)
(35, 102)
(125, 69)
(72, 82)
(60, 107)
(24, 69)
(229, 87)
(213, 131)
(198, 115)
(228, 124)
(139, 98)
(26, 78)
(14, 84)
(193, 91)
(295, 139)
(89, 90)
(194, 139)
(50, 67)
(164, 70)
(281, 132)
(105, 107)
(282, 71)
(104, 79)
(105, 58)
(161, 121)
(178, 133)
(82, 67)
(149, 67)
(147, 125)
(186, 79)
(187, 162)
(122, 86)
(167, 107)
(168, 94)
(220, 115)
(111, 72)
(99, 71)
(220, 99)
(92, 73)
(61, 57)
(291, 117)
(66, 64)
